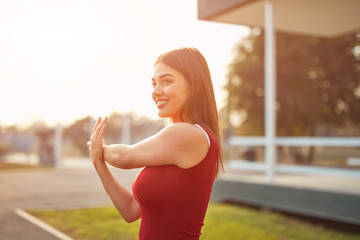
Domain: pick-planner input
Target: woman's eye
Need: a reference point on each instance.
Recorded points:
(162, 82)
(165, 81)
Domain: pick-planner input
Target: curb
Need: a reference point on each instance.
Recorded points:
(41, 224)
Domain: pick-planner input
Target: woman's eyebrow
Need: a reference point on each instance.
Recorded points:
(166, 75)
(163, 75)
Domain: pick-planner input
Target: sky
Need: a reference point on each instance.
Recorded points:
(62, 60)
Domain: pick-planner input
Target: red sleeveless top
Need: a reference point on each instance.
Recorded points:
(174, 200)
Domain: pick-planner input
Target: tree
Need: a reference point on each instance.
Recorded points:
(79, 134)
(318, 85)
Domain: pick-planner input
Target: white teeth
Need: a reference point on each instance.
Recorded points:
(160, 103)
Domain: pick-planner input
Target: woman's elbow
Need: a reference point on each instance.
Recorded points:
(131, 216)
(120, 162)
(116, 159)
(130, 219)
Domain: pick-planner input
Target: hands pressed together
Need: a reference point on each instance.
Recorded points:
(96, 143)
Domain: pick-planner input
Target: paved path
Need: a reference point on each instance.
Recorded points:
(42, 189)
(77, 185)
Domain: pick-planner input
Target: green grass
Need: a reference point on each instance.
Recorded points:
(222, 222)
(102, 223)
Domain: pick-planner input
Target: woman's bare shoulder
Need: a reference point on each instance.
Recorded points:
(182, 129)
(187, 135)
(189, 139)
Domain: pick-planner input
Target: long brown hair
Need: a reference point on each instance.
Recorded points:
(200, 105)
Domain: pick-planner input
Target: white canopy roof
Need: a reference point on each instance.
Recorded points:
(326, 18)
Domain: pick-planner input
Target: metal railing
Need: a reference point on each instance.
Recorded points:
(271, 169)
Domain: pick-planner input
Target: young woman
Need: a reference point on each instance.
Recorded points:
(172, 192)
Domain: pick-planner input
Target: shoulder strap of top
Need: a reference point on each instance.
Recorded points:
(207, 136)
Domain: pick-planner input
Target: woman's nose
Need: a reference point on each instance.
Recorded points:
(156, 91)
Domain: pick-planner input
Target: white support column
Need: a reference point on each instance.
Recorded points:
(270, 93)
(126, 129)
(91, 126)
(57, 147)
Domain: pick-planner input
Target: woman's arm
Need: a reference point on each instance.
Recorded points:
(121, 197)
(180, 144)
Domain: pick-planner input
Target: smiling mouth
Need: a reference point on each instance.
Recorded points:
(161, 103)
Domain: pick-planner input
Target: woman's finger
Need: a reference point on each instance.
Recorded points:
(97, 140)
(97, 137)
(100, 131)
(96, 125)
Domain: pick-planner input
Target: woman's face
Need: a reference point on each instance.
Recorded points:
(170, 91)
